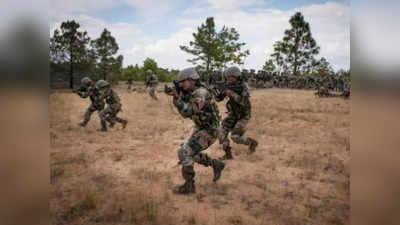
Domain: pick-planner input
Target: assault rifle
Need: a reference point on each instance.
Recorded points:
(221, 86)
(176, 87)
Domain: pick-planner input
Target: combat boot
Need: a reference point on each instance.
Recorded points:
(228, 153)
(253, 145)
(103, 126)
(124, 123)
(188, 187)
(217, 166)
(82, 124)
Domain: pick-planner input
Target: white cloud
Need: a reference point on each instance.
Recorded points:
(259, 29)
(232, 4)
(83, 5)
(150, 10)
(166, 52)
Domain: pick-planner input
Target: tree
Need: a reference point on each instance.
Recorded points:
(104, 50)
(296, 52)
(150, 64)
(230, 47)
(212, 49)
(69, 46)
(269, 66)
(323, 68)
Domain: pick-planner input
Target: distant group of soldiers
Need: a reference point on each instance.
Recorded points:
(324, 86)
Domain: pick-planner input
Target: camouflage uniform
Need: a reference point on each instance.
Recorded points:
(198, 105)
(239, 114)
(97, 104)
(114, 106)
(151, 83)
(346, 89)
(129, 82)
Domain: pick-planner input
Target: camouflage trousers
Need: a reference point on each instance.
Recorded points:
(109, 114)
(237, 129)
(191, 151)
(89, 112)
(152, 91)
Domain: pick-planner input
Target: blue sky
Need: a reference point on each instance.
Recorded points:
(156, 28)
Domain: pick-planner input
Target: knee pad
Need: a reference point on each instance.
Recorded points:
(185, 154)
(194, 145)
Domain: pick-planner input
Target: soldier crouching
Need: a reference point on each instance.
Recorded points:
(114, 106)
(87, 89)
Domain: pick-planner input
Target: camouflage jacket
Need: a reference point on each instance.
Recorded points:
(151, 80)
(94, 95)
(199, 106)
(238, 105)
(112, 99)
(129, 81)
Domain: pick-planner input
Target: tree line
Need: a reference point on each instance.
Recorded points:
(212, 50)
(72, 51)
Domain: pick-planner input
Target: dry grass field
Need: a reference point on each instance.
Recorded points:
(300, 173)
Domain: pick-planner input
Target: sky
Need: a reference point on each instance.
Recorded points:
(156, 28)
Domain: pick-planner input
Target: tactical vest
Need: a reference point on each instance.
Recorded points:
(112, 99)
(239, 111)
(95, 97)
(209, 116)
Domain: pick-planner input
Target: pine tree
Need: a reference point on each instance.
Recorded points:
(213, 50)
(295, 53)
(69, 46)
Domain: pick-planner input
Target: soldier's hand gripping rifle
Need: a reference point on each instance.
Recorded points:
(170, 90)
(82, 91)
(222, 86)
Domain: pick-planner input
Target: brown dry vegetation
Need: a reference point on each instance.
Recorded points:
(299, 174)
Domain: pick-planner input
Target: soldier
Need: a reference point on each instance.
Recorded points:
(114, 106)
(129, 82)
(196, 102)
(151, 83)
(239, 113)
(87, 89)
(346, 89)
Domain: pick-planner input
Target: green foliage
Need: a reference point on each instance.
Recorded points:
(269, 66)
(150, 64)
(104, 50)
(322, 69)
(295, 53)
(343, 73)
(71, 50)
(69, 47)
(212, 49)
(230, 48)
(139, 73)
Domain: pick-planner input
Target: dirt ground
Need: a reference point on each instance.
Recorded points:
(299, 174)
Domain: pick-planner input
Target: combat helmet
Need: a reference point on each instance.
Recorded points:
(188, 73)
(233, 71)
(101, 84)
(86, 81)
